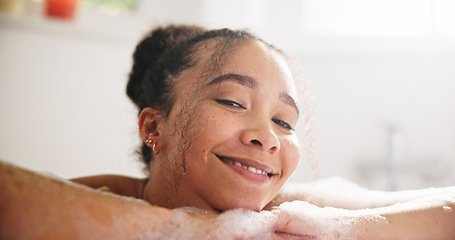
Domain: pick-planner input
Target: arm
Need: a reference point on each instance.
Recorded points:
(340, 193)
(34, 206)
(431, 218)
(121, 185)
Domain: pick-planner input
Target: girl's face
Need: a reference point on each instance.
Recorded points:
(241, 146)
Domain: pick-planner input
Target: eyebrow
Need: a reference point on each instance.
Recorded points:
(240, 79)
(252, 83)
(284, 97)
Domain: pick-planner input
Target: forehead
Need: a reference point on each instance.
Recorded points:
(249, 58)
(266, 65)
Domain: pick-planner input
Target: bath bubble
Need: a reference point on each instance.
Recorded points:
(328, 222)
(447, 209)
(245, 224)
(232, 224)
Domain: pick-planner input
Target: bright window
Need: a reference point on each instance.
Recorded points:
(378, 17)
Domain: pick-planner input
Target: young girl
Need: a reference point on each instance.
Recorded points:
(218, 111)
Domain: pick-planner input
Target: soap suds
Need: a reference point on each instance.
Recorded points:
(328, 222)
(233, 224)
(306, 220)
(447, 209)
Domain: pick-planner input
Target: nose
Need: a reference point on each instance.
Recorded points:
(261, 136)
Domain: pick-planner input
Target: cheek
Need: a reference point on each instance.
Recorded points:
(217, 123)
(211, 128)
(291, 154)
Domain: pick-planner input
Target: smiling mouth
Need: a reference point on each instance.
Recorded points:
(245, 166)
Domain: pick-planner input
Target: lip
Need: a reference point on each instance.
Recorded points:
(258, 177)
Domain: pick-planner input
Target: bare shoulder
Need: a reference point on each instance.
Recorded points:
(118, 184)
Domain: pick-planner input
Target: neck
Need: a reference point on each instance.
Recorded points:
(167, 188)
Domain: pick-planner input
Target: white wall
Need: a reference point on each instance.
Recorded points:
(359, 98)
(63, 107)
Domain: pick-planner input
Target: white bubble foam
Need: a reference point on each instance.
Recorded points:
(246, 224)
(233, 224)
(332, 223)
(325, 222)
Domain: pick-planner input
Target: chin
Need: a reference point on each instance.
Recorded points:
(243, 204)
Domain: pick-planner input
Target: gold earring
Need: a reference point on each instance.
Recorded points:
(149, 141)
(155, 151)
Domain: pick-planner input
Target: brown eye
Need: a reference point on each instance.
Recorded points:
(229, 103)
(282, 124)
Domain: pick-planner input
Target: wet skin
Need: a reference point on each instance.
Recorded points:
(243, 144)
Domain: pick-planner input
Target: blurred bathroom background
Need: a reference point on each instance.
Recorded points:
(382, 74)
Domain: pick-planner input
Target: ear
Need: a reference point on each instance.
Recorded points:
(148, 125)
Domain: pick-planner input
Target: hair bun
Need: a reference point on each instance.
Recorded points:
(149, 49)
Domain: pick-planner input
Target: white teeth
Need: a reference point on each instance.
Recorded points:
(251, 169)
